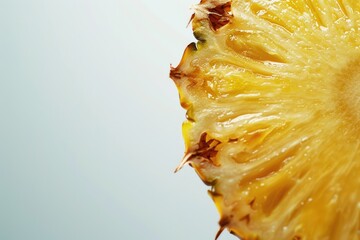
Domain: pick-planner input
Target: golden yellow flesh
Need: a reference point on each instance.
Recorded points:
(273, 105)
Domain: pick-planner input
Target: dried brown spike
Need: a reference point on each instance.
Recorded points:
(220, 15)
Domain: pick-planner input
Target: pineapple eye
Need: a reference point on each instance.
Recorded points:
(220, 15)
(272, 93)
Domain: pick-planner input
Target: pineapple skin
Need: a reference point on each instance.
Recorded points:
(272, 94)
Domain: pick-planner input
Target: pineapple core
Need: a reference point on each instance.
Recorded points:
(272, 97)
(351, 91)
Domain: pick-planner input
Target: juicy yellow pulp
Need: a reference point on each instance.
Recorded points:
(272, 93)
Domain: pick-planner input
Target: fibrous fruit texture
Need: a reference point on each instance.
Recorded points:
(272, 93)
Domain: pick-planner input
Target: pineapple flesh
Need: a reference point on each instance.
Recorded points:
(272, 94)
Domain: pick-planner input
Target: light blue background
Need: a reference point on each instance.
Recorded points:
(90, 123)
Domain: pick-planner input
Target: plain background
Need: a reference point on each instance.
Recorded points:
(90, 123)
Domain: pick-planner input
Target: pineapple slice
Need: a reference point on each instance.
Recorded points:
(272, 93)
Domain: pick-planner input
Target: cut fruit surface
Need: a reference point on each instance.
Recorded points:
(272, 93)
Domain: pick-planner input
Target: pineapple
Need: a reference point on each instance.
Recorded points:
(272, 94)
